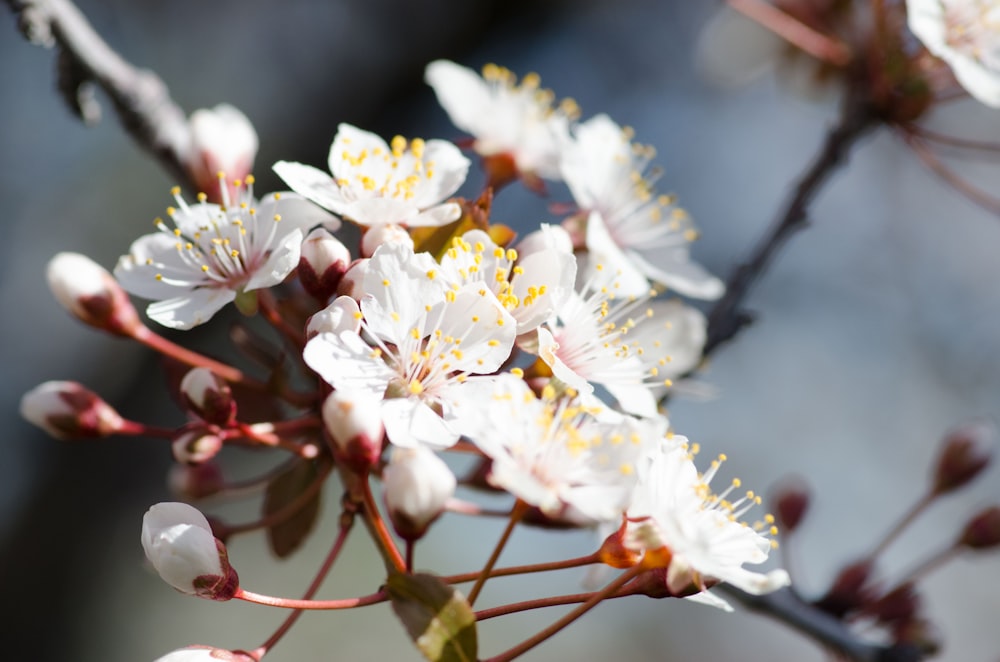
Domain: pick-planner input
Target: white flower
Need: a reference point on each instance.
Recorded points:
(353, 420)
(342, 314)
(67, 410)
(90, 293)
(215, 253)
(527, 285)
(222, 140)
(631, 229)
(966, 35)
(417, 485)
(201, 654)
(556, 455)
(420, 341)
(505, 118)
(674, 512)
(178, 541)
(402, 183)
(631, 346)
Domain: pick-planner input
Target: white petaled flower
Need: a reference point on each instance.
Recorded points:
(213, 253)
(632, 346)
(675, 514)
(417, 485)
(555, 454)
(178, 541)
(222, 140)
(504, 117)
(527, 285)
(374, 183)
(966, 35)
(420, 341)
(630, 228)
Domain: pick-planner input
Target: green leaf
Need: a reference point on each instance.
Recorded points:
(440, 621)
(284, 490)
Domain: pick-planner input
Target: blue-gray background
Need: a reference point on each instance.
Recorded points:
(879, 325)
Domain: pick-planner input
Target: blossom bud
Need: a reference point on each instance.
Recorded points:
(195, 481)
(354, 422)
(617, 552)
(67, 410)
(983, 530)
(322, 264)
(850, 590)
(208, 396)
(377, 235)
(196, 445)
(343, 314)
(965, 452)
(91, 294)
(178, 541)
(353, 282)
(223, 140)
(791, 503)
(204, 654)
(417, 485)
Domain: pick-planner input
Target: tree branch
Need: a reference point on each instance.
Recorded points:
(85, 60)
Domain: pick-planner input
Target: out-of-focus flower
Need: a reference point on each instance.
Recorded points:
(178, 541)
(417, 485)
(323, 261)
(195, 481)
(966, 35)
(426, 340)
(556, 455)
(203, 654)
(374, 183)
(90, 293)
(354, 421)
(678, 522)
(511, 122)
(631, 229)
(208, 396)
(381, 234)
(966, 452)
(214, 254)
(196, 445)
(631, 346)
(222, 140)
(68, 410)
(527, 285)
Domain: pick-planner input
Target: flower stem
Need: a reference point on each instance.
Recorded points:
(191, 358)
(283, 513)
(901, 525)
(526, 569)
(313, 605)
(553, 601)
(515, 515)
(794, 31)
(269, 309)
(380, 530)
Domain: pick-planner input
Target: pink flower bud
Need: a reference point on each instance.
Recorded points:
(223, 140)
(208, 396)
(377, 235)
(178, 541)
(204, 654)
(322, 264)
(67, 410)
(196, 445)
(195, 481)
(353, 282)
(983, 530)
(851, 589)
(417, 485)
(87, 290)
(353, 420)
(343, 314)
(791, 503)
(965, 452)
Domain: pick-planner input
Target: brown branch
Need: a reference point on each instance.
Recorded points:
(85, 60)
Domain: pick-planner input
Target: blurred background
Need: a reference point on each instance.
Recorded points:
(879, 326)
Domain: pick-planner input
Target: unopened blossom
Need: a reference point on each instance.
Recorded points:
(630, 229)
(203, 654)
(222, 140)
(322, 263)
(377, 235)
(353, 419)
(179, 543)
(90, 293)
(677, 519)
(507, 119)
(208, 396)
(528, 286)
(343, 314)
(417, 485)
(196, 445)
(68, 410)
(556, 454)
(421, 341)
(374, 183)
(209, 255)
(632, 346)
(966, 35)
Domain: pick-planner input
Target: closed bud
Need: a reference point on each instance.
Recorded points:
(195, 481)
(983, 530)
(791, 503)
(208, 396)
(353, 282)
(91, 294)
(67, 410)
(179, 543)
(322, 263)
(965, 452)
(850, 590)
(222, 140)
(417, 485)
(353, 420)
(343, 314)
(377, 235)
(196, 445)
(204, 654)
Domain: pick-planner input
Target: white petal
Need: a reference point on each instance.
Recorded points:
(312, 183)
(461, 92)
(189, 311)
(346, 361)
(409, 423)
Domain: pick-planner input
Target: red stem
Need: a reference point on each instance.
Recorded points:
(520, 508)
(795, 32)
(281, 514)
(554, 601)
(315, 605)
(184, 355)
(381, 532)
(526, 569)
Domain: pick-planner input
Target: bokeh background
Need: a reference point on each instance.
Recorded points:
(879, 326)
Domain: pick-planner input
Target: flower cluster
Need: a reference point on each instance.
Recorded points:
(544, 356)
